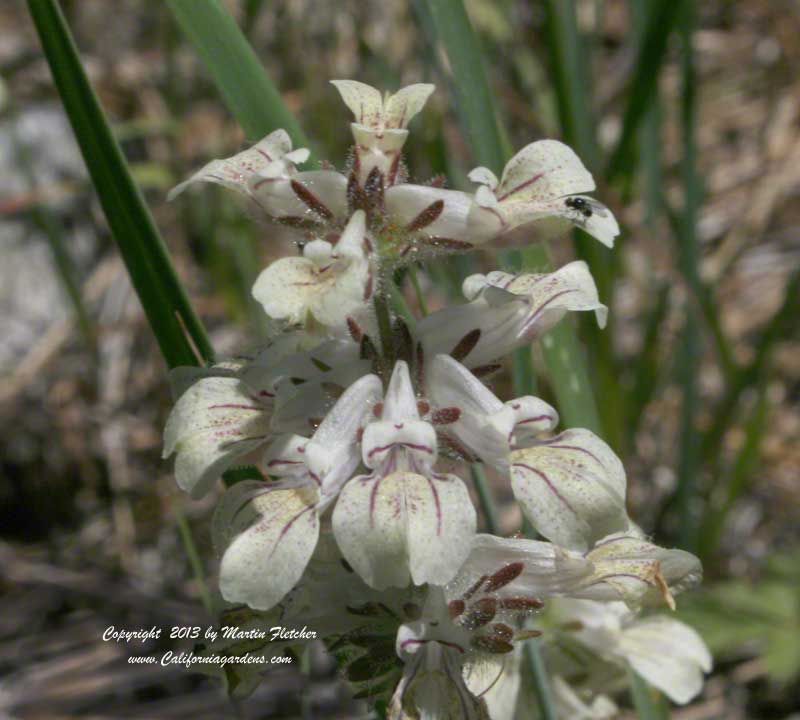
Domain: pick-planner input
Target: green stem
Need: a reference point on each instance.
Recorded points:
(195, 562)
(563, 354)
(485, 497)
(541, 683)
(421, 302)
(643, 698)
(381, 304)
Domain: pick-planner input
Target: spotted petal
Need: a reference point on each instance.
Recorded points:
(292, 288)
(629, 568)
(572, 488)
(508, 311)
(267, 538)
(234, 172)
(213, 423)
(315, 196)
(399, 109)
(544, 170)
(404, 527)
(539, 191)
(364, 101)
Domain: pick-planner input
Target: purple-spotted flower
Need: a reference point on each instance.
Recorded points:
(570, 486)
(507, 311)
(403, 521)
(332, 280)
(364, 425)
(266, 532)
(408, 221)
(541, 190)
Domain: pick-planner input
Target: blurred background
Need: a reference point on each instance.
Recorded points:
(697, 379)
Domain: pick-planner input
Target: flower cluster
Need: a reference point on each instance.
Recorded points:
(364, 427)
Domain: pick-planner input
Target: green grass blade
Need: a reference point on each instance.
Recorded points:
(647, 363)
(568, 68)
(662, 17)
(162, 296)
(689, 262)
(782, 324)
(743, 469)
(563, 354)
(236, 70)
(474, 100)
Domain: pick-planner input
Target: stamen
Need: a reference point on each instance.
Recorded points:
(502, 631)
(480, 613)
(484, 370)
(474, 588)
(356, 198)
(521, 604)
(368, 286)
(466, 345)
(446, 243)
(373, 187)
(456, 607)
(445, 416)
(420, 365)
(320, 365)
(311, 200)
(355, 329)
(426, 216)
(527, 634)
(504, 576)
(492, 644)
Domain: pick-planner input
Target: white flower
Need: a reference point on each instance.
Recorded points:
(571, 487)
(227, 412)
(314, 199)
(214, 423)
(570, 706)
(267, 532)
(380, 127)
(460, 652)
(329, 282)
(507, 311)
(667, 653)
(273, 156)
(430, 220)
(404, 521)
(541, 187)
(631, 569)
(620, 567)
(484, 426)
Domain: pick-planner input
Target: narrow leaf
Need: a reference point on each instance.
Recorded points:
(163, 298)
(236, 70)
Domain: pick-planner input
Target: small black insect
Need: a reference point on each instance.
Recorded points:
(585, 207)
(580, 204)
